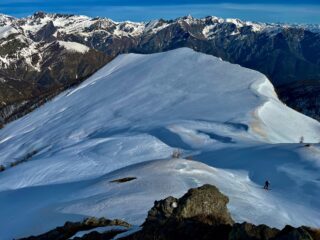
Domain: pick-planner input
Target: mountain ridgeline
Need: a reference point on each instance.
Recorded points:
(44, 54)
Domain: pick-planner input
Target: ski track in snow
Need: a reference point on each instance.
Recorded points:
(126, 120)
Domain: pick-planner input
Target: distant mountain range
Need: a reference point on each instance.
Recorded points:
(42, 55)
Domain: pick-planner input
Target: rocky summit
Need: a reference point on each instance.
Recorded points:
(200, 214)
(43, 54)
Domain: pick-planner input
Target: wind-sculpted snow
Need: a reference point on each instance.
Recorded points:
(279, 123)
(46, 53)
(61, 158)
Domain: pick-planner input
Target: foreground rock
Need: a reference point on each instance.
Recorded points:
(200, 214)
(205, 204)
(69, 229)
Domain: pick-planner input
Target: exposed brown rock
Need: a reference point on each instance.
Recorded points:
(71, 228)
(205, 203)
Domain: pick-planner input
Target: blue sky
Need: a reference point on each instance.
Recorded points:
(293, 11)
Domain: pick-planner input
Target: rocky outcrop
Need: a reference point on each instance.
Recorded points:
(205, 204)
(201, 214)
(71, 228)
(45, 33)
(201, 210)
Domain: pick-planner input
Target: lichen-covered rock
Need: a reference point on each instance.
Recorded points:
(206, 204)
(200, 214)
(162, 210)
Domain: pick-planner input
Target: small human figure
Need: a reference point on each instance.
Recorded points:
(176, 153)
(266, 185)
(301, 139)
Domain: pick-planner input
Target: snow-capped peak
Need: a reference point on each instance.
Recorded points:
(235, 21)
(156, 25)
(6, 20)
(189, 19)
(112, 38)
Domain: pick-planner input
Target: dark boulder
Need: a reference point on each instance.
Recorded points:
(248, 231)
(291, 233)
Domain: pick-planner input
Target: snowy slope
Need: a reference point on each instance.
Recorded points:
(74, 46)
(139, 108)
(5, 31)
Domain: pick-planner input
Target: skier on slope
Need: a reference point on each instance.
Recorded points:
(266, 185)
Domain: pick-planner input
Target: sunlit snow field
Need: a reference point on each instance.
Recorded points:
(128, 118)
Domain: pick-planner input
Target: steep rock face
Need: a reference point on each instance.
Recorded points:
(304, 96)
(45, 33)
(288, 54)
(60, 69)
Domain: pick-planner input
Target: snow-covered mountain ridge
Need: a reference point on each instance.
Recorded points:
(128, 118)
(64, 25)
(44, 54)
(84, 25)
